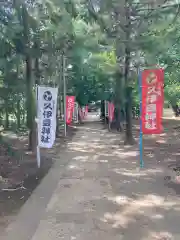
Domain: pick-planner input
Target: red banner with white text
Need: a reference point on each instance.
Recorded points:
(110, 111)
(70, 100)
(152, 81)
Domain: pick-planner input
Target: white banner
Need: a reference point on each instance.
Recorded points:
(46, 113)
(75, 112)
(106, 108)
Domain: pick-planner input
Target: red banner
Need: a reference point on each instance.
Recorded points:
(69, 108)
(152, 100)
(110, 111)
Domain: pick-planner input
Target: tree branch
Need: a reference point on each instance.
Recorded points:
(96, 16)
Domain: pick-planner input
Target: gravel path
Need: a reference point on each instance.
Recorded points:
(96, 191)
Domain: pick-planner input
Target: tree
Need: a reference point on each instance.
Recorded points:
(127, 23)
(104, 47)
(29, 35)
(162, 48)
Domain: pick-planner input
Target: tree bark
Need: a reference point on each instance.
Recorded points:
(6, 115)
(36, 65)
(175, 110)
(119, 103)
(59, 105)
(118, 118)
(128, 109)
(18, 114)
(29, 100)
(30, 104)
(60, 84)
(128, 105)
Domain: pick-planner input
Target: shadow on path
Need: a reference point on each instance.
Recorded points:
(102, 194)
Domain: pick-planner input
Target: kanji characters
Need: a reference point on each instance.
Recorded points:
(151, 108)
(47, 105)
(46, 130)
(151, 98)
(45, 138)
(154, 90)
(46, 122)
(47, 114)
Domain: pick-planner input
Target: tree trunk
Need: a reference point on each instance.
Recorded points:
(103, 111)
(128, 105)
(6, 115)
(18, 114)
(60, 84)
(30, 104)
(29, 100)
(37, 71)
(119, 103)
(24, 118)
(57, 122)
(79, 117)
(128, 109)
(175, 110)
(118, 118)
(59, 110)
(60, 106)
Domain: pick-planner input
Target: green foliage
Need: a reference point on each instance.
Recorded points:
(101, 47)
(164, 50)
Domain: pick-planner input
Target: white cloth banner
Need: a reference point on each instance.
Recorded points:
(75, 112)
(106, 108)
(46, 113)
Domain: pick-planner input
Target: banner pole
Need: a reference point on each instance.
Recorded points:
(38, 154)
(64, 84)
(140, 134)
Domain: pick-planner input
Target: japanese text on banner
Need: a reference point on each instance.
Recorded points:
(47, 104)
(152, 100)
(69, 108)
(75, 112)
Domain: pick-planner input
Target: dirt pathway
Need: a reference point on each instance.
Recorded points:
(96, 191)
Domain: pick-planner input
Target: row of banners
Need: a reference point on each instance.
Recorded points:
(73, 110)
(46, 114)
(152, 100)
